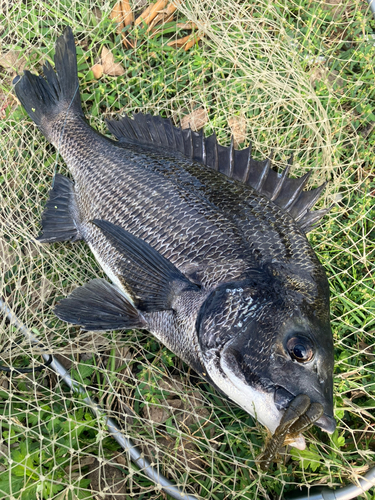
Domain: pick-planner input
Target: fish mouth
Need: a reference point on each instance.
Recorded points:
(283, 398)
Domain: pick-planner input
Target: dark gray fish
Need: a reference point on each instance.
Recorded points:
(205, 248)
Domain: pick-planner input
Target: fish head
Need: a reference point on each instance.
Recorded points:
(265, 340)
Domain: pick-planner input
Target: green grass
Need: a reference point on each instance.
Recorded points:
(262, 73)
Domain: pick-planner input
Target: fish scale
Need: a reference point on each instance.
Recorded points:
(112, 190)
(218, 198)
(205, 247)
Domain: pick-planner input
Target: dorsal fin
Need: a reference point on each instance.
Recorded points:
(286, 192)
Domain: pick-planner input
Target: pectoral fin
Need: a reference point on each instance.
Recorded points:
(154, 281)
(98, 305)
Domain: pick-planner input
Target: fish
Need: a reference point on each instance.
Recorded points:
(204, 246)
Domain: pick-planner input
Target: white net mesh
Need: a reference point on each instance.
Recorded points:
(290, 77)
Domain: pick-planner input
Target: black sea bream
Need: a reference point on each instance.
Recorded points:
(205, 248)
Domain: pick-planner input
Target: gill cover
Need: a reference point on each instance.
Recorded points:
(263, 343)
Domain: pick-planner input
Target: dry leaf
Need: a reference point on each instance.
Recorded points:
(195, 120)
(192, 42)
(120, 459)
(155, 414)
(172, 6)
(109, 66)
(179, 43)
(117, 16)
(144, 14)
(188, 40)
(162, 18)
(154, 11)
(13, 61)
(97, 69)
(127, 12)
(358, 393)
(237, 126)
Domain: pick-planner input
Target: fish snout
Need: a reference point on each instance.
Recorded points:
(326, 423)
(283, 399)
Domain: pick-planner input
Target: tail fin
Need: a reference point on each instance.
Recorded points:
(46, 98)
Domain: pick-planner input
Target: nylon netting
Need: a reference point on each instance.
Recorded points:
(289, 77)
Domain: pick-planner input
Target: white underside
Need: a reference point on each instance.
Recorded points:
(259, 404)
(108, 271)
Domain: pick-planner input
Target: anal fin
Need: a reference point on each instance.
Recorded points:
(58, 219)
(98, 305)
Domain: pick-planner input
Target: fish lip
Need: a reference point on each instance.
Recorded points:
(283, 398)
(326, 423)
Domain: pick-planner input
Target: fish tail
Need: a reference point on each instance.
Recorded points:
(56, 95)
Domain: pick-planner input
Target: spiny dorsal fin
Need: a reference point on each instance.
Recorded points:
(286, 192)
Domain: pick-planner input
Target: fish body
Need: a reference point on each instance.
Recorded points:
(205, 247)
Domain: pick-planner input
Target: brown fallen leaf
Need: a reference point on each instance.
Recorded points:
(172, 6)
(165, 15)
(155, 414)
(97, 69)
(358, 393)
(120, 459)
(144, 14)
(127, 13)
(192, 42)
(108, 63)
(162, 18)
(188, 41)
(155, 9)
(117, 16)
(179, 43)
(195, 120)
(13, 61)
(237, 126)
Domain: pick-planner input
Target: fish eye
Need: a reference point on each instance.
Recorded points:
(300, 349)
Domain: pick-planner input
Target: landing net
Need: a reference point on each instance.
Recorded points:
(289, 77)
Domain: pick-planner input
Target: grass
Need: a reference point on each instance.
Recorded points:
(260, 61)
